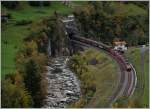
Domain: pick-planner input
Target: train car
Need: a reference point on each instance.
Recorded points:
(95, 44)
(84, 40)
(117, 55)
(112, 52)
(90, 42)
(121, 58)
(128, 66)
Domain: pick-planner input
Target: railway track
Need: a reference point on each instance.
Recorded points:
(127, 80)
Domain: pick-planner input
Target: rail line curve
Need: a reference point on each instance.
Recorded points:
(127, 80)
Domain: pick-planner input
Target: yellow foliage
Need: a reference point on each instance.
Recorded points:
(79, 104)
(18, 79)
(30, 45)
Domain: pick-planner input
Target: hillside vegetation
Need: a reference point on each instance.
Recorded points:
(140, 97)
(134, 56)
(13, 35)
(98, 74)
(107, 21)
(35, 13)
(32, 24)
(24, 55)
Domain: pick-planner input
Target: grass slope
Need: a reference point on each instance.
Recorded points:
(105, 74)
(133, 54)
(35, 13)
(13, 35)
(127, 9)
(119, 9)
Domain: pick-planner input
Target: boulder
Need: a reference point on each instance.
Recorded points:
(57, 70)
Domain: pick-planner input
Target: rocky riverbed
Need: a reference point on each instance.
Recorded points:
(63, 85)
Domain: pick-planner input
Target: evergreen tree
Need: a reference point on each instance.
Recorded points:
(32, 81)
(14, 95)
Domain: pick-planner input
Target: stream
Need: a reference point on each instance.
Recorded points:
(63, 85)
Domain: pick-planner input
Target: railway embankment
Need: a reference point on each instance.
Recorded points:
(127, 78)
(139, 59)
(99, 77)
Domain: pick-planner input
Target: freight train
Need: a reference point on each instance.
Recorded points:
(100, 45)
(74, 36)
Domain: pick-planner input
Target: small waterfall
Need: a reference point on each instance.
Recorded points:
(49, 47)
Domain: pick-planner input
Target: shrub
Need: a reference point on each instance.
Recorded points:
(46, 3)
(79, 63)
(97, 21)
(5, 42)
(34, 3)
(23, 22)
(123, 102)
(14, 94)
(31, 64)
(39, 3)
(80, 103)
(10, 4)
(32, 81)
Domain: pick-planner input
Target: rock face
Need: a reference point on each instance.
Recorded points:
(63, 85)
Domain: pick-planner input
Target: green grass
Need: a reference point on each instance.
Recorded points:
(133, 54)
(36, 13)
(79, 3)
(120, 8)
(105, 75)
(106, 79)
(127, 9)
(14, 35)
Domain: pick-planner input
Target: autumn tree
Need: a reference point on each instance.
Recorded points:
(103, 21)
(31, 63)
(14, 94)
(39, 3)
(10, 4)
